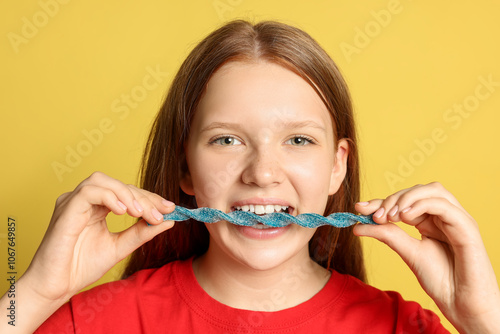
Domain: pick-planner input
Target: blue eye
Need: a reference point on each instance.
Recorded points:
(226, 141)
(300, 141)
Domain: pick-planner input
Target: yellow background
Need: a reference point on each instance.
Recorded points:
(420, 61)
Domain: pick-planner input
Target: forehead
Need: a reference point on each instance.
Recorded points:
(241, 91)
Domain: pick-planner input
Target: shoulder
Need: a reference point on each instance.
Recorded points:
(119, 303)
(145, 280)
(372, 307)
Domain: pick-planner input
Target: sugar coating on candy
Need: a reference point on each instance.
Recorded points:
(275, 219)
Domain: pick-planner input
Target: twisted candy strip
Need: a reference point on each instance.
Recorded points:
(276, 219)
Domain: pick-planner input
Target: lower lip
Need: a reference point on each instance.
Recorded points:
(268, 233)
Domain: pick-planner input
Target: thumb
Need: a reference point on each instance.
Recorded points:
(393, 236)
(138, 234)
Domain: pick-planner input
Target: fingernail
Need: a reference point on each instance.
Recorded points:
(157, 214)
(138, 206)
(379, 213)
(406, 210)
(363, 203)
(123, 206)
(167, 203)
(394, 211)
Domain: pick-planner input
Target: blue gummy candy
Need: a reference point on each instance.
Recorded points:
(276, 219)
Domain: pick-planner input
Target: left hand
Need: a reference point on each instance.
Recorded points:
(450, 260)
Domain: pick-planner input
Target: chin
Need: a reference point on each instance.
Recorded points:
(290, 246)
(267, 258)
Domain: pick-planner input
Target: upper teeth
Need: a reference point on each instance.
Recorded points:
(261, 209)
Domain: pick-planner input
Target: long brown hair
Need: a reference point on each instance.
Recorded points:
(164, 161)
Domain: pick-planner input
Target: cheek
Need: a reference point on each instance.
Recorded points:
(212, 176)
(311, 178)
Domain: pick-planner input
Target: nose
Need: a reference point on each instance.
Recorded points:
(263, 169)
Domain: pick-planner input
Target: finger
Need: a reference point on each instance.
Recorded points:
(61, 202)
(428, 229)
(62, 199)
(96, 178)
(369, 207)
(81, 208)
(431, 190)
(458, 227)
(122, 191)
(395, 204)
(138, 234)
(394, 237)
(382, 209)
(378, 208)
(153, 205)
(137, 202)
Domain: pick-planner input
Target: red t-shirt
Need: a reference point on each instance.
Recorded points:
(170, 300)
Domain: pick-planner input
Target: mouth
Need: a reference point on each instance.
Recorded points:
(261, 210)
(263, 207)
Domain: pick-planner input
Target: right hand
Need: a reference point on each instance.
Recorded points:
(78, 248)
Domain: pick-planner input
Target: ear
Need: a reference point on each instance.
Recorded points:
(185, 180)
(187, 184)
(339, 166)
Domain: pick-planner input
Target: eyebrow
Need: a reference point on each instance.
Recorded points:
(285, 124)
(221, 125)
(304, 124)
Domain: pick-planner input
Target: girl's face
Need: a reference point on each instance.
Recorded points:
(262, 140)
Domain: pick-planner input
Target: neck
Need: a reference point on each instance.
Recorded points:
(240, 286)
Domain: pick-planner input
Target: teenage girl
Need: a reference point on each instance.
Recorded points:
(258, 118)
